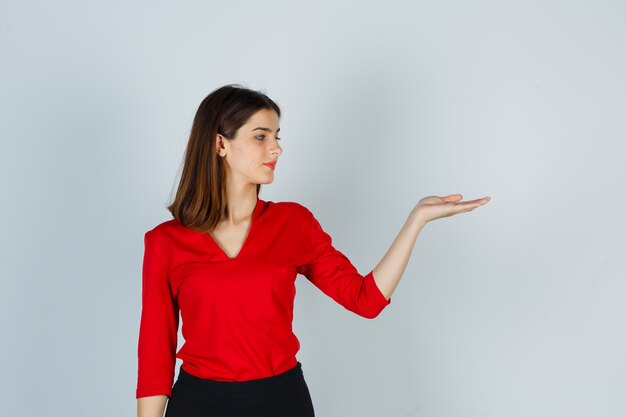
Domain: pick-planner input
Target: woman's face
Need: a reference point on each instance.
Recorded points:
(255, 144)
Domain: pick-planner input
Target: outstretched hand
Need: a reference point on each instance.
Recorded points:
(435, 207)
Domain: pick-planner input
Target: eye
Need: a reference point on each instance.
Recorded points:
(263, 136)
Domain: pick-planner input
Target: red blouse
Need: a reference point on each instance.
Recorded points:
(237, 312)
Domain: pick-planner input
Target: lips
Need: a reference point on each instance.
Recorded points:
(272, 165)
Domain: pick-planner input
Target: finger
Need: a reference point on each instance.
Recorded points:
(468, 206)
(477, 201)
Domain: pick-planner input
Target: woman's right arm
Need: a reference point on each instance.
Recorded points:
(152, 406)
(158, 329)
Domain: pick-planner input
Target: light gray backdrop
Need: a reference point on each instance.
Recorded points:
(515, 309)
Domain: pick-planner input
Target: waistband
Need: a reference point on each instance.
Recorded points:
(240, 386)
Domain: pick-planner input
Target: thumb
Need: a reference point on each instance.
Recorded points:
(454, 197)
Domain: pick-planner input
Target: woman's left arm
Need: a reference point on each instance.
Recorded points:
(391, 267)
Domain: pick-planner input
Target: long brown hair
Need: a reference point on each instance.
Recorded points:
(200, 200)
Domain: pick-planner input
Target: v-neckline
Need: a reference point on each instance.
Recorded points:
(255, 213)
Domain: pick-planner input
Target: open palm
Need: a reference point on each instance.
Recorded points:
(435, 207)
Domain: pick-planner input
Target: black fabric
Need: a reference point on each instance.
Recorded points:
(282, 395)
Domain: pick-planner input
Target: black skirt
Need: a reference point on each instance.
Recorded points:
(282, 395)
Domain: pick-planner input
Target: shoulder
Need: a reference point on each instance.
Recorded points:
(294, 209)
(162, 231)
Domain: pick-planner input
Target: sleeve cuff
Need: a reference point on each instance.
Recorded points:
(378, 298)
(153, 390)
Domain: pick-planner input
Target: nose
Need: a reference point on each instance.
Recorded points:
(276, 149)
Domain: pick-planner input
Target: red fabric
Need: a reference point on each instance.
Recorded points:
(237, 312)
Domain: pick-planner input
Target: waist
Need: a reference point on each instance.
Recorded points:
(240, 386)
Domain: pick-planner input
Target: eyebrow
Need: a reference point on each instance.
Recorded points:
(266, 129)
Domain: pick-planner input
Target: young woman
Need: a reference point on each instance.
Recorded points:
(227, 262)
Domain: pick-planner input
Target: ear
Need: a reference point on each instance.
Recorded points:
(219, 143)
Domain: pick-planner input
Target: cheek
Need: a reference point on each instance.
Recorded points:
(248, 155)
(253, 159)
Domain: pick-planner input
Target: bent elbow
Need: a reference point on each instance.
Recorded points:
(369, 313)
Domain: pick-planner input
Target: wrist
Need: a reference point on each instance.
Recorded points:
(416, 219)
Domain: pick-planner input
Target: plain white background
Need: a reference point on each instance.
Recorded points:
(515, 309)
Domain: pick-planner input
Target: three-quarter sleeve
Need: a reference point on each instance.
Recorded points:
(158, 329)
(333, 273)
